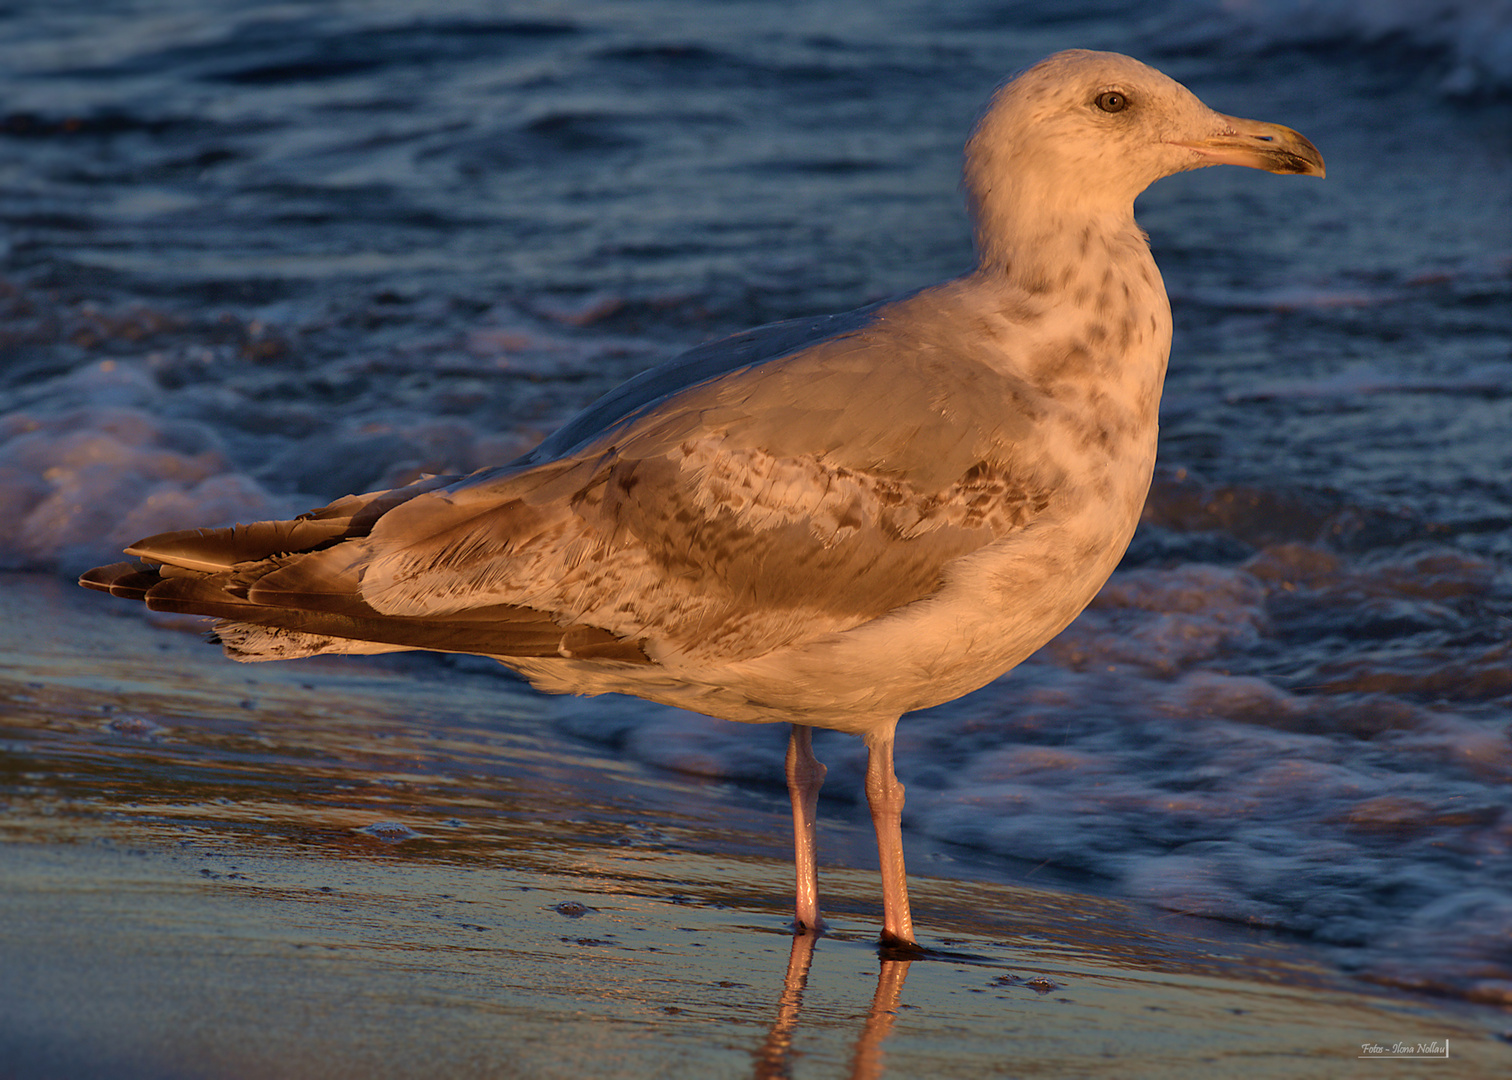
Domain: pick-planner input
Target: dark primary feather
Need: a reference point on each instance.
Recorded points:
(492, 630)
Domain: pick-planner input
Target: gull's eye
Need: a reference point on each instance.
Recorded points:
(1112, 101)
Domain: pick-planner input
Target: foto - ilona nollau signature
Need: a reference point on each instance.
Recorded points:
(1436, 1048)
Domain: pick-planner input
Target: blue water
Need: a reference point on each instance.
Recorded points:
(255, 257)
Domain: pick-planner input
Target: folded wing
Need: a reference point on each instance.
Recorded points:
(752, 509)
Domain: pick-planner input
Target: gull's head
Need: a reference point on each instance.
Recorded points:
(1085, 132)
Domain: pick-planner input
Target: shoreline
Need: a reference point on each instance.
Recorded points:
(341, 867)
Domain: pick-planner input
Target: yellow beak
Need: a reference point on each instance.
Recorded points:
(1258, 145)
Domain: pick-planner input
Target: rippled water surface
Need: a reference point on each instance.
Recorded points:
(257, 256)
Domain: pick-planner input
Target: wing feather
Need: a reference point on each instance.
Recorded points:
(768, 489)
(746, 511)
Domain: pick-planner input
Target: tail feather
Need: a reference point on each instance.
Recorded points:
(500, 631)
(277, 597)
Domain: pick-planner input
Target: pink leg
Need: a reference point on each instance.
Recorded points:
(805, 776)
(885, 796)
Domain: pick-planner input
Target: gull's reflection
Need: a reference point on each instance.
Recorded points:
(774, 1059)
(866, 1063)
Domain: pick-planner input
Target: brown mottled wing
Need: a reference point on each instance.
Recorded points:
(772, 504)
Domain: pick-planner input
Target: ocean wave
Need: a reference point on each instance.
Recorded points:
(1470, 40)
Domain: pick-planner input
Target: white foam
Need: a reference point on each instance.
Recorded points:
(78, 486)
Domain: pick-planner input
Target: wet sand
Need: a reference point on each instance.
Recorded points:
(395, 868)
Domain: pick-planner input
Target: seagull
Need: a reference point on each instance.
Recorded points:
(824, 522)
